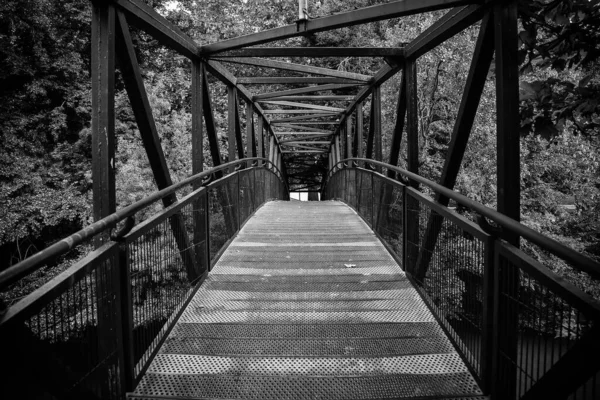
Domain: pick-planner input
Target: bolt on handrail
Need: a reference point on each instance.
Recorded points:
(578, 260)
(30, 264)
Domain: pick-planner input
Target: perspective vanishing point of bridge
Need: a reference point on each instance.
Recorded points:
(221, 287)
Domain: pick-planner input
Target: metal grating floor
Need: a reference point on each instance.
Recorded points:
(306, 303)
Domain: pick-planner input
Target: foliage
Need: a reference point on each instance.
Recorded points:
(44, 58)
(44, 129)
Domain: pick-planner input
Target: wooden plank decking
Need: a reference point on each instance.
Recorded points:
(306, 303)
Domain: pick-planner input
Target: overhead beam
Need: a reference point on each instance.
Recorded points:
(304, 118)
(302, 128)
(303, 151)
(285, 80)
(315, 52)
(286, 120)
(299, 142)
(302, 147)
(226, 76)
(453, 22)
(306, 111)
(285, 66)
(310, 134)
(304, 187)
(304, 138)
(150, 21)
(302, 105)
(355, 17)
(316, 98)
(309, 89)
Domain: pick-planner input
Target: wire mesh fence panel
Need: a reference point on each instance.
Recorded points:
(162, 270)
(526, 329)
(15, 292)
(267, 184)
(259, 187)
(541, 321)
(447, 257)
(246, 194)
(99, 323)
(388, 214)
(223, 221)
(65, 336)
(365, 202)
(351, 185)
(197, 225)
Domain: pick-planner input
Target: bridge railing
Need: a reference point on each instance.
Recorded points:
(524, 332)
(92, 330)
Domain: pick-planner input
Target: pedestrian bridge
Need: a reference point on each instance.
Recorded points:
(220, 287)
(307, 303)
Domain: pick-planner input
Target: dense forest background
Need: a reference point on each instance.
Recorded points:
(45, 150)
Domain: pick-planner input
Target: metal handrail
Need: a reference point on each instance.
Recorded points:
(30, 264)
(579, 261)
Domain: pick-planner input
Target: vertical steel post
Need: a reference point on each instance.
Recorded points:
(372, 202)
(399, 127)
(349, 136)
(488, 332)
(103, 111)
(207, 227)
(124, 288)
(337, 149)
(231, 122)
(237, 201)
(302, 6)
(259, 137)
(359, 130)
(377, 140)
(412, 135)
(508, 182)
(404, 229)
(250, 148)
(198, 161)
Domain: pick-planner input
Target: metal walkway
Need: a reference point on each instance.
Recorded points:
(306, 303)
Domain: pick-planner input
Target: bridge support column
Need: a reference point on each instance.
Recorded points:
(349, 125)
(259, 137)
(508, 182)
(250, 142)
(412, 219)
(358, 146)
(103, 111)
(200, 241)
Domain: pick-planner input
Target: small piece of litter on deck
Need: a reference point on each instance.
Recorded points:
(350, 265)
